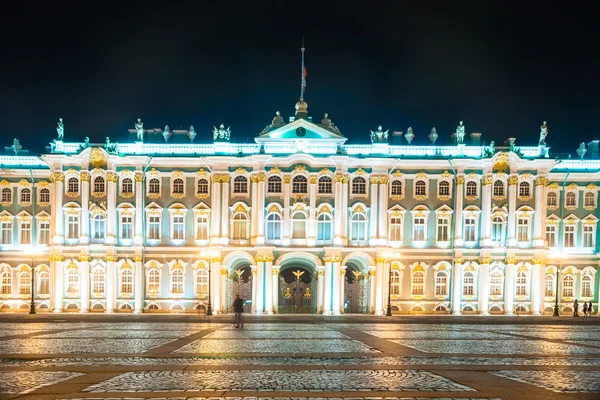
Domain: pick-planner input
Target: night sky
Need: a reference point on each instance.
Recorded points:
(502, 67)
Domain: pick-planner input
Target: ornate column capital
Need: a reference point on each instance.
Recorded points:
(541, 181)
(139, 177)
(513, 179)
(137, 258)
(57, 176)
(460, 179)
(84, 257)
(111, 176)
(85, 176)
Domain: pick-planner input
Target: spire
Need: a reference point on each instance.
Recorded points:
(303, 74)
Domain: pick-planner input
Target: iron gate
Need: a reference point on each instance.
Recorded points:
(297, 297)
(237, 284)
(357, 295)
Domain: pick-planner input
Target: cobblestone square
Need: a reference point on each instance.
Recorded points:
(120, 334)
(275, 346)
(20, 382)
(274, 334)
(431, 334)
(558, 381)
(76, 346)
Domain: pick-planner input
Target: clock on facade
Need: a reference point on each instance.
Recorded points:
(300, 132)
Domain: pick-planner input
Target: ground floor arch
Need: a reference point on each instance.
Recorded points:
(356, 288)
(298, 286)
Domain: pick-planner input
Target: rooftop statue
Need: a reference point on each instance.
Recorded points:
(490, 150)
(460, 133)
(87, 141)
(379, 136)
(16, 147)
(166, 132)
(543, 134)
(580, 151)
(139, 130)
(192, 133)
(221, 133)
(60, 129)
(409, 135)
(433, 135)
(326, 122)
(277, 120)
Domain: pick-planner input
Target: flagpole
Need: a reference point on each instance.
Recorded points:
(302, 72)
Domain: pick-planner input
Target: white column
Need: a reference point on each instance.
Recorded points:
(456, 286)
(85, 210)
(260, 287)
(373, 217)
(254, 210)
(269, 286)
(536, 289)
(260, 239)
(509, 287)
(225, 209)
(139, 211)
(111, 283)
(328, 292)
(372, 289)
(275, 288)
(286, 239)
(57, 214)
(84, 282)
(484, 287)
(59, 284)
(345, 210)
(379, 292)
(223, 283)
(539, 224)
(111, 223)
(254, 282)
(312, 211)
(486, 205)
(338, 218)
(512, 208)
(342, 287)
(336, 286)
(215, 284)
(458, 220)
(138, 281)
(383, 207)
(215, 210)
(320, 289)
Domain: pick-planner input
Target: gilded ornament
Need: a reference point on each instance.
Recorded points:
(287, 178)
(57, 176)
(84, 257)
(241, 170)
(513, 179)
(111, 176)
(421, 174)
(572, 186)
(313, 179)
(262, 177)
(397, 174)
(446, 174)
(458, 261)
(485, 260)
(275, 171)
(300, 169)
(591, 186)
(254, 178)
(275, 271)
(511, 260)
(201, 171)
(138, 259)
(4, 182)
(139, 177)
(225, 178)
(553, 186)
(112, 258)
(360, 171)
(325, 171)
(383, 180)
(487, 180)
(502, 163)
(97, 158)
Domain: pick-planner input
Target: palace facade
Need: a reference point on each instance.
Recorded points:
(299, 221)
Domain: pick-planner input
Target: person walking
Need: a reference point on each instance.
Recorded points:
(238, 309)
(590, 309)
(584, 309)
(576, 309)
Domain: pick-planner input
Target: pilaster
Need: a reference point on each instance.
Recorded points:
(56, 263)
(486, 211)
(111, 222)
(138, 282)
(58, 220)
(225, 209)
(111, 283)
(509, 286)
(456, 286)
(338, 205)
(275, 288)
(320, 289)
(383, 207)
(312, 208)
(139, 211)
(373, 218)
(254, 210)
(458, 221)
(85, 211)
(379, 290)
(512, 209)
(260, 238)
(286, 223)
(84, 282)
(215, 210)
(484, 285)
(539, 219)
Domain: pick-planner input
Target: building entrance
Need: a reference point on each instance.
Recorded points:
(240, 282)
(297, 291)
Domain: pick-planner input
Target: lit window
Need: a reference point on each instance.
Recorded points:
(471, 189)
(99, 185)
(359, 185)
(44, 233)
(72, 281)
(567, 286)
(589, 200)
(395, 282)
(299, 184)
(154, 227)
(419, 229)
(202, 186)
(496, 283)
(551, 235)
(153, 282)
(358, 227)
(25, 283)
(73, 226)
(25, 232)
(551, 199)
(126, 227)
(240, 184)
(25, 195)
(7, 232)
(569, 236)
(396, 229)
(420, 188)
(178, 227)
(470, 225)
(397, 188)
(521, 284)
(98, 281)
(274, 184)
(498, 229)
(324, 229)
(202, 225)
(524, 189)
(126, 281)
(299, 226)
(571, 199)
(98, 227)
(202, 282)
(73, 185)
(443, 229)
(444, 188)
(468, 284)
(44, 283)
(127, 186)
(498, 188)
(178, 186)
(273, 227)
(586, 286)
(325, 185)
(588, 236)
(240, 225)
(45, 196)
(441, 281)
(177, 282)
(7, 195)
(549, 285)
(523, 229)
(154, 186)
(418, 284)
(6, 282)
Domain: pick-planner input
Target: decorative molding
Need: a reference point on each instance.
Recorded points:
(111, 177)
(57, 176)
(513, 179)
(84, 257)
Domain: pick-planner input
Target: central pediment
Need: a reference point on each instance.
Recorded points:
(301, 129)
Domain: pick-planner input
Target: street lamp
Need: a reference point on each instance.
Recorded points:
(386, 256)
(211, 255)
(32, 306)
(560, 256)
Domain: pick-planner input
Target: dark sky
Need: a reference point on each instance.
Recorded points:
(502, 67)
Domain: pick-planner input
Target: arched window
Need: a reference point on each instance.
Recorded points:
(153, 282)
(471, 187)
(468, 284)
(586, 286)
(359, 185)
(498, 229)
(396, 188)
(571, 199)
(273, 227)
(521, 284)
(127, 186)
(240, 184)
(126, 281)
(98, 227)
(444, 188)
(202, 282)
(524, 189)
(498, 188)
(549, 285)
(358, 227)
(299, 226)
(25, 283)
(418, 284)
(274, 184)
(589, 200)
(45, 195)
(154, 186)
(395, 282)
(72, 281)
(395, 228)
(7, 195)
(25, 195)
(43, 283)
(73, 185)
(178, 186)
(325, 185)
(420, 188)
(6, 282)
(98, 280)
(496, 283)
(551, 199)
(299, 184)
(99, 185)
(202, 186)
(568, 285)
(324, 228)
(177, 282)
(202, 226)
(240, 226)
(441, 283)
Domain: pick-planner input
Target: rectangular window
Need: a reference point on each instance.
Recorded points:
(202, 228)
(44, 283)
(470, 230)
(44, 233)
(551, 235)
(496, 284)
(127, 227)
(440, 285)
(25, 283)
(586, 286)
(25, 232)
(126, 282)
(468, 285)
(569, 236)
(178, 227)
(443, 230)
(154, 227)
(395, 229)
(549, 292)
(73, 227)
(419, 229)
(6, 227)
(588, 236)
(523, 230)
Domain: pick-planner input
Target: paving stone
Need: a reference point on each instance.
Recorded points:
(275, 334)
(275, 346)
(73, 346)
(22, 382)
(433, 334)
(558, 381)
(330, 380)
(121, 334)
